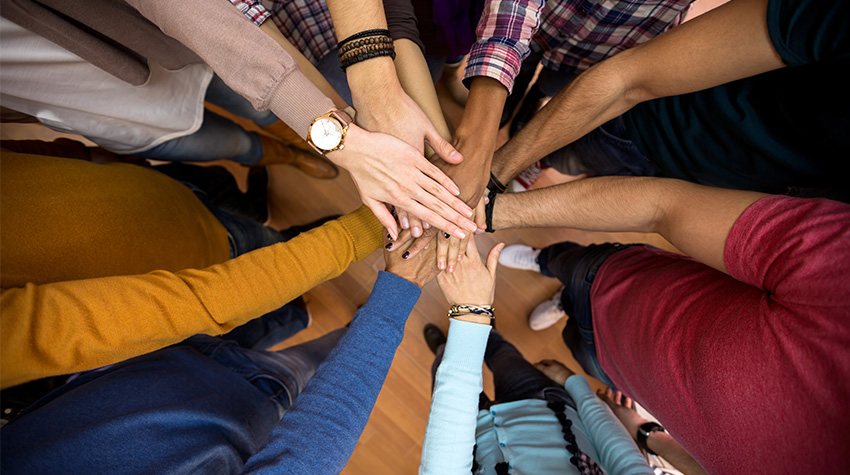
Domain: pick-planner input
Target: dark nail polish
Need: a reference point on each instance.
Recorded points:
(446, 235)
(388, 246)
(405, 255)
(390, 237)
(392, 212)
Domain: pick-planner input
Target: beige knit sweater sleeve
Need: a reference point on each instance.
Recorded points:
(246, 59)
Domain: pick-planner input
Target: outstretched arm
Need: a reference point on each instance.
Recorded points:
(694, 218)
(725, 44)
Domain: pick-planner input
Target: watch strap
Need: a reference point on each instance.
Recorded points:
(643, 433)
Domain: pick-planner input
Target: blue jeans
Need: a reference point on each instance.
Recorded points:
(202, 406)
(576, 266)
(604, 151)
(514, 378)
(219, 137)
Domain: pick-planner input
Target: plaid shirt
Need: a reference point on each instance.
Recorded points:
(305, 23)
(573, 34)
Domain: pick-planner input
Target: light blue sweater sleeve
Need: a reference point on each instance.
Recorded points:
(616, 450)
(450, 434)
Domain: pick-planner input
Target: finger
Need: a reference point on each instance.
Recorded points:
(403, 219)
(420, 244)
(452, 256)
(437, 175)
(627, 401)
(493, 258)
(415, 226)
(609, 393)
(384, 217)
(618, 397)
(396, 244)
(438, 222)
(434, 197)
(442, 249)
(443, 148)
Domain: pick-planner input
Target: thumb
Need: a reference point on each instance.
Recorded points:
(444, 149)
(493, 258)
(384, 217)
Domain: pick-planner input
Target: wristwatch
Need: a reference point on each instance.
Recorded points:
(643, 432)
(327, 132)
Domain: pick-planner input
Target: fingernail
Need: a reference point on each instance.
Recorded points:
(470, 226)
(389, 236)
(416, 231)
(441, 265)
(392, 211)
(486, 200)
(460, 258)
(480, 231)
(467, 211)
(446, 235)
(405, 223)
(405, 255)
(426, 225)
(455, 190)
(388, 246)
(459, 234)
(451, 269)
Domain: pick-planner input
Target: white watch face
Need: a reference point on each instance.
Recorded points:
(326, 133)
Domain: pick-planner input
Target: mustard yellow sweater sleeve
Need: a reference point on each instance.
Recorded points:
(66, 327)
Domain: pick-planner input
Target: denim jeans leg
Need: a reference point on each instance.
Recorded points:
(514, 378)
(218, 138)
(576, 266)
(272, 328)
(222, 95)
(605, 151)
(245, 234)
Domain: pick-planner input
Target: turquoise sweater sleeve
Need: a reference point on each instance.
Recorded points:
(319, 432)
(450, 434)
(616, 450)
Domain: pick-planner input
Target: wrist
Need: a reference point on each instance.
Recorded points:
(372, 80)
(644, 432)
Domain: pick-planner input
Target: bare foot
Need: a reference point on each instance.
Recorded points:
(624, 408)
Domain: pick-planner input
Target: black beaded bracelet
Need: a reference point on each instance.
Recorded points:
(488, 212)
(363, 57)
(364, 34)
(385, 41)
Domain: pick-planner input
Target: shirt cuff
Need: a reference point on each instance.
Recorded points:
(252, 9)
(494, 60)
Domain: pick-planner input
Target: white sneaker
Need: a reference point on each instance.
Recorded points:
(526, 179)
(520, 256)
(547, 313)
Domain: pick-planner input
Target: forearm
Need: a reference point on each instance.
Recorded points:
(103, 321)
(617, 452)
(694, 218)
(667, 448)
(416, 81)
(305, 65)
(593, 98)
(450, 434)
(320, 430)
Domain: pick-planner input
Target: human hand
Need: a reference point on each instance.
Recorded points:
(387, 170)
(448, 247)
(418, 270)
(554, 370)
(624, 408)
(472, 283)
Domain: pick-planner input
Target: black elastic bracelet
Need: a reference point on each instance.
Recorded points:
(495, 185)
(488, 212)
(364, 34)
(643, 433)
(363, 57)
